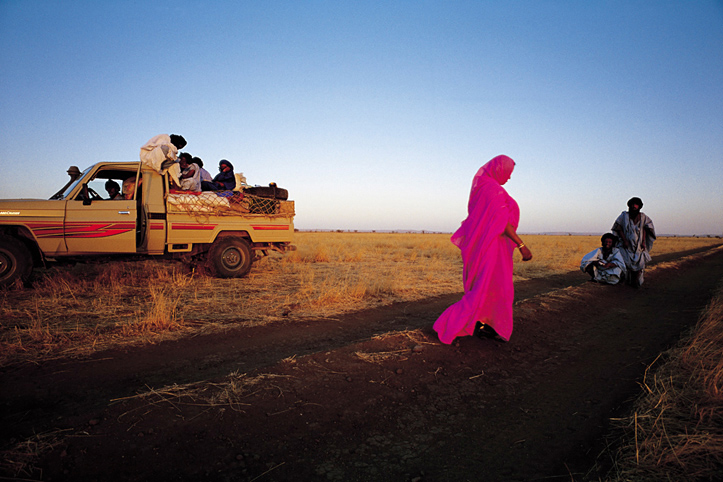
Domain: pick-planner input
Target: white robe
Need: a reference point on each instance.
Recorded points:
(192, 183)
(160, 154)
(637, 254)
(610, 276)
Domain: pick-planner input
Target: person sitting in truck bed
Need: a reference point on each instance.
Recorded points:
(113, 190)
(205, 175)
(225, 180)
(190, 173)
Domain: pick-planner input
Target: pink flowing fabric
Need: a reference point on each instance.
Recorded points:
(487, 256)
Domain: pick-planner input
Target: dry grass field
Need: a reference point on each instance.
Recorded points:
(71, 312)
(674, 432)
(76, 310)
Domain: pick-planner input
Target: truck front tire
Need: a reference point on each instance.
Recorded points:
(230, 258)
(16, 263)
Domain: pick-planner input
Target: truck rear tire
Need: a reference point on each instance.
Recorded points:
(230, 258)
(16, 263)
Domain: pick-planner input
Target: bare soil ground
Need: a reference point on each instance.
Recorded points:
(368, 396)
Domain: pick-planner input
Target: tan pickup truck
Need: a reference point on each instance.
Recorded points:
(226, 230)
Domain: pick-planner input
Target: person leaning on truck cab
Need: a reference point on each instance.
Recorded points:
(74, 174)
(225, 180)
(162, 148)
(161, 152)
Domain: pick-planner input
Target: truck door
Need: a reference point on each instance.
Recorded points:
(96, 224)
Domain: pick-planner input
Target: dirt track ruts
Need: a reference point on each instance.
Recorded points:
(478, 410)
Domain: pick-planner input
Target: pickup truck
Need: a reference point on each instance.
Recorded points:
(225, 230)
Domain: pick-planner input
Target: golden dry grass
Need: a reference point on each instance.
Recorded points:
(75, 311)
(676, 429)
(230, 392)
(21, 458)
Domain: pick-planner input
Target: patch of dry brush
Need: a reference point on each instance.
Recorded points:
(74, 311)
(676, 430)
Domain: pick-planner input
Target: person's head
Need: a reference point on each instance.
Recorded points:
(197, 161)
(635, 204)
(112, 188)
(74, 172)
(499, 168)
(178, 141)
(608, 240)
(184, 159)
(225, 166)
(129, 188)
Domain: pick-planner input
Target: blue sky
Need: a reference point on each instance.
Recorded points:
(376, 115)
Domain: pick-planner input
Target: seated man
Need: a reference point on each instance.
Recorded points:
(225, 180)
(190, 173)
(129, 187)
(113, 190)
(205, 175)
(605, 264)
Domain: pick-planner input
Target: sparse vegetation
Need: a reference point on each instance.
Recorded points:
(75, 311)
(676, 429)
(72, 311)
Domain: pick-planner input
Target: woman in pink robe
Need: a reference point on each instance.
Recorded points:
(487, 239)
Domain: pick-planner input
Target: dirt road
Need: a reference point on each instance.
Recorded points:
(369, 396)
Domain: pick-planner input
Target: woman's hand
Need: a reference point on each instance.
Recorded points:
(511, 233)
(526, 253)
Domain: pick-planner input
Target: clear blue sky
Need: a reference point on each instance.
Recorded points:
(376, 115)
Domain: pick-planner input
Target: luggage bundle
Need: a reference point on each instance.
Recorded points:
(270, 192)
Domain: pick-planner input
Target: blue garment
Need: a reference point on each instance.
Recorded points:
(222, 181)
(228, 179)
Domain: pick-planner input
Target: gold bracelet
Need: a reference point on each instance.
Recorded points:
(521, 245)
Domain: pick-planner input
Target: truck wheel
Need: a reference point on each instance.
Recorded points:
(230, 258)
(16, 263)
